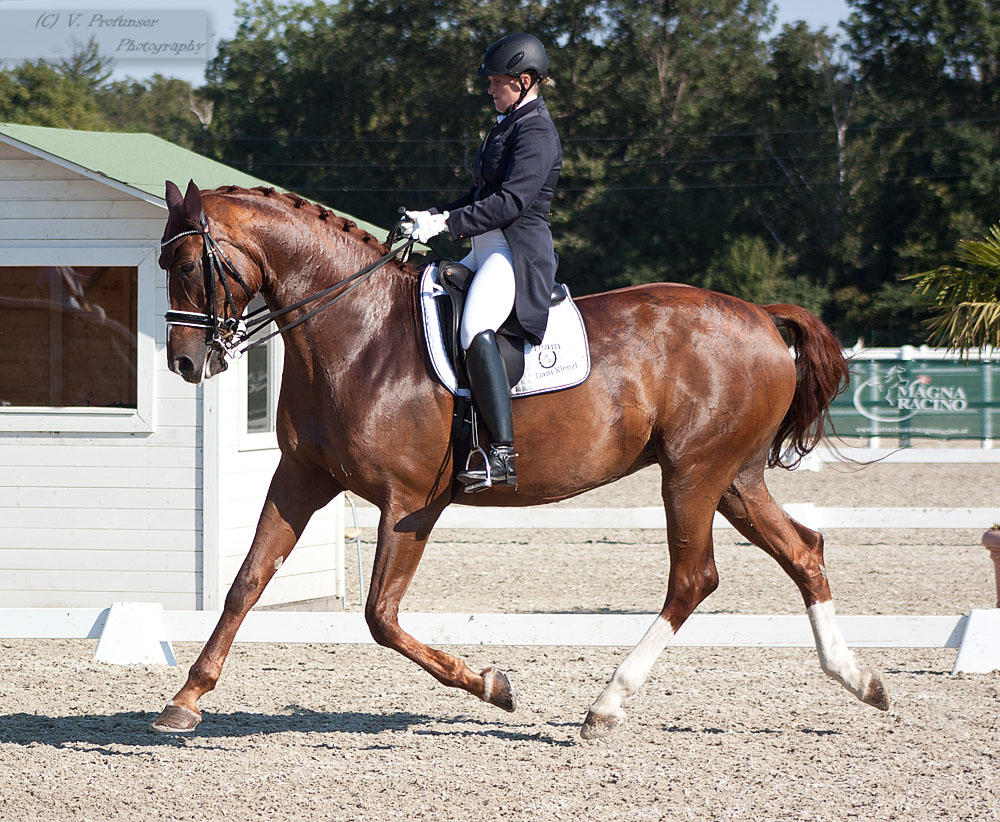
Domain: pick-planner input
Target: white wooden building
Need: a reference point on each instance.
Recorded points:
(118, 480)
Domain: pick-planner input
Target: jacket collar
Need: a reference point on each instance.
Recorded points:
(517, 114)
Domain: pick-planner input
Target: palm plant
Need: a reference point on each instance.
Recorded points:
(966, 300)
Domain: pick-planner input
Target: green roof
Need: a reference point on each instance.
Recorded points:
(140, 161)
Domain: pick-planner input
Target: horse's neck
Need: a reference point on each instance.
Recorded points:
(378, 312)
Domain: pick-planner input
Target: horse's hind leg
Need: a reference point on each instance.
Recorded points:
(296, 493)
(690, 509)
(748, 505)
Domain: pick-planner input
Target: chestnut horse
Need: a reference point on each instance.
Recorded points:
(700, 383)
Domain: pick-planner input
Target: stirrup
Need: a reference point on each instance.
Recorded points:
(476, 480)
(480, 479)
(475, 485)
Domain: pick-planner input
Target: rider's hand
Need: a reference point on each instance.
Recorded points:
(427, 225)
(405, 223)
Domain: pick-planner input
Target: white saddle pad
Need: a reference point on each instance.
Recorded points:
(561, 361)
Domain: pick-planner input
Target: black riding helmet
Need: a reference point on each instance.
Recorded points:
(515, 54)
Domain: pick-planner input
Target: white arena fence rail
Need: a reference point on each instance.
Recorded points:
(143, 633)
(822, 455)
(810, 515)
(598, 630)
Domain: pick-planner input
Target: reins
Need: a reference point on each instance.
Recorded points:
(230, 333)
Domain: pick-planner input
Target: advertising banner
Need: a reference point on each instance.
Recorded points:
(919, 398)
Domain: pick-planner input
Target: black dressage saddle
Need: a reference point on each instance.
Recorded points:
(455, 278)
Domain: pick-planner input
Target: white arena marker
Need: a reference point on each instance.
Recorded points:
(979, 652)
(134, 634)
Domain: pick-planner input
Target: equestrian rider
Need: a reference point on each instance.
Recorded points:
(506, 214)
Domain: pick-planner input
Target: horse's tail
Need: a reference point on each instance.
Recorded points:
(821, 374)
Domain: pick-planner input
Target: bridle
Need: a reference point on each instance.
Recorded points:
(229, 333)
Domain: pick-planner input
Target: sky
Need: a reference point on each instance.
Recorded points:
(35, 20)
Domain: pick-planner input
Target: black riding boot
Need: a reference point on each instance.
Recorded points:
(491, 393)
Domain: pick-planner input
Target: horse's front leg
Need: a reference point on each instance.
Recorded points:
(401, 541)
(296, 493)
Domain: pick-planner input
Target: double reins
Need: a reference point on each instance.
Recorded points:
(230, 333)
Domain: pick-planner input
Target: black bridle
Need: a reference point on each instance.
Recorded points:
(227, 331)
(230, 332)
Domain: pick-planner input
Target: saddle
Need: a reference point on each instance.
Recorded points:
(455, 278)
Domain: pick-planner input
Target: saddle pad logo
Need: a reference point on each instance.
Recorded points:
(547, 356)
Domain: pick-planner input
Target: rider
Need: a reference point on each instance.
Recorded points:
(506, 213)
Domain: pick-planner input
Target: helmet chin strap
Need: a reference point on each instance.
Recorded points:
(524, 91)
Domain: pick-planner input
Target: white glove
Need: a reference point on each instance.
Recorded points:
(426, 225)
(405, 223)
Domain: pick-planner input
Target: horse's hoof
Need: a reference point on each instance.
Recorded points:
(497, 690)
(176, 719)
(875, 693)
(597, 725)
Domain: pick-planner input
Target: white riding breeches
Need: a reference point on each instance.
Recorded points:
(491, 295)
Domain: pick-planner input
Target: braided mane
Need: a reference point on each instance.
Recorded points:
(329, 217)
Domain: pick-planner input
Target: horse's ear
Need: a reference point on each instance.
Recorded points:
(178, 218)
(192, 202)
(173, 195)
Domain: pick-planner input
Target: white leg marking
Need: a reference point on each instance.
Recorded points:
(836, 659)
(632, 672)
(487, 684)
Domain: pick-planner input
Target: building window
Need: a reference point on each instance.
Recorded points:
(263, 380)
(68, 339)
(259, 381)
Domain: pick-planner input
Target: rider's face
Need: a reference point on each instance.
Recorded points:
(504, 90)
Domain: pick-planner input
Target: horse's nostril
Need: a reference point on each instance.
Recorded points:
(182, 365)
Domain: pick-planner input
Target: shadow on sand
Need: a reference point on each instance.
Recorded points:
(133, 729)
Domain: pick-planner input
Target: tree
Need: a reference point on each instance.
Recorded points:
(924, 144)
(164, 106)
(39, 94)
(355, 102)
(966, 300)
(748, 267)
(694, 147)
(86, 67)
(646, 193)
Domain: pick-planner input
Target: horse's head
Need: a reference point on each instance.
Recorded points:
(210, 280)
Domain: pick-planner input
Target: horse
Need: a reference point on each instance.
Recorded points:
(700, 383)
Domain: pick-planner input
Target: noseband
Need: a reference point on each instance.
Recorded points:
(229, 333)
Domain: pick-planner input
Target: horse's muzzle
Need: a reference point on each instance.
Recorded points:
(197, 364)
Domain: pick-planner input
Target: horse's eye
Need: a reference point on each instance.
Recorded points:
(187, 268)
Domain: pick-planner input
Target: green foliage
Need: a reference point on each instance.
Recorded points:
(927, 157)
(39, 94)
(86, 68)
(747, 268)
(966, 299)
(75, 92)
(698, 145)
(887, 315)
(164, 106)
